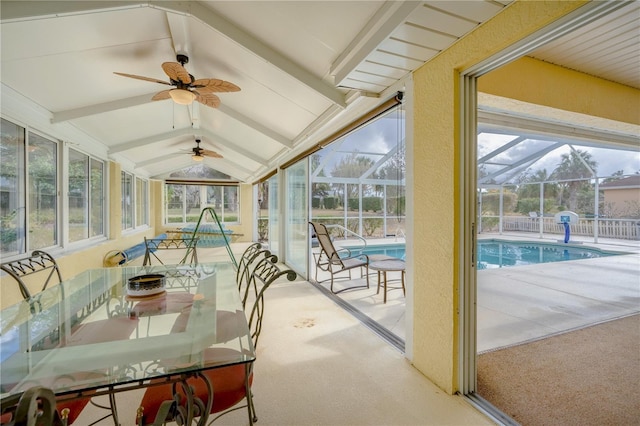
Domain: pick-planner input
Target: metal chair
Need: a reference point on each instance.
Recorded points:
(249, 258)
(33, 407)
(153, 245)
(40, 263)
(41, 267)
(231, 385)
(336, 261)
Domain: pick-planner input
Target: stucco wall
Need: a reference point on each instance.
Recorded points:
(436, 158)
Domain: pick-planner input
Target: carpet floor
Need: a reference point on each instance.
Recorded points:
(589, 376)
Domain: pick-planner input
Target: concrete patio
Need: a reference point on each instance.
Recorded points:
(517, 304)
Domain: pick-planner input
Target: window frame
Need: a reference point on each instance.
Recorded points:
(90, 197)
(222, 207)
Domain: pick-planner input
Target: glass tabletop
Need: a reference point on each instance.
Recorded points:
(92, 331)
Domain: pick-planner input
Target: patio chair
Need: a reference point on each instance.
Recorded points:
(249, 257)
(33, 407)
(232, 384)
(39, 270)
(40, 266)
(336, 261)
(153, 245)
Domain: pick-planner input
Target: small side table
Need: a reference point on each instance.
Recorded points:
(388, 265)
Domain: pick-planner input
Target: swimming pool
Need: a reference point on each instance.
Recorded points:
(504, 253)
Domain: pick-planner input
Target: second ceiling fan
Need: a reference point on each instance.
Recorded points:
(199, 153)
(186, 88)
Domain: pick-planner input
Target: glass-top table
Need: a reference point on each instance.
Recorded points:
(87, 336)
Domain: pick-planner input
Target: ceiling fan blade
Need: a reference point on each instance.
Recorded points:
(176, 72)
(208, 99)
(209, 153)
(161, 96)
(208, 85)
(139, 77)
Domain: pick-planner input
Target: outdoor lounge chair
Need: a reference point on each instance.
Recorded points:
(337, 261)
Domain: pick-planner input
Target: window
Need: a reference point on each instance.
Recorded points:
(135, 201)
(184, 202)
(29, 191)
(358, 181)
(127, 201)
(30, 210)
(142, 202)
(12, 189)
(78, 196)
(42, 190)
(86, 191)
(96, 203)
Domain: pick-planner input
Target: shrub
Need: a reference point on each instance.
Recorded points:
(331, 202)
(373, 204)
(491, 202)
(370, 225)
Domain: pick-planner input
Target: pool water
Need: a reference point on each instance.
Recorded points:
(499, 254)
(393, 250)
(502, 253)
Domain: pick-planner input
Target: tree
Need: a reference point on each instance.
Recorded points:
(394, 169)
(528, 191)
(318, 189)
(200, 171)
(353, 166)
(574, 171)
(615, 176)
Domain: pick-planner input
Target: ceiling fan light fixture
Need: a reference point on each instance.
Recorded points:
(182, 96)
(197, 157)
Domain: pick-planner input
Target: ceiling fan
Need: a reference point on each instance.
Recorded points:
(198, 153)
(186, 87)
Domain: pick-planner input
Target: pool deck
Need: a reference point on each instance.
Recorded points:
(519, 304)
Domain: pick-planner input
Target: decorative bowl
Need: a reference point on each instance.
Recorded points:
(146, 285)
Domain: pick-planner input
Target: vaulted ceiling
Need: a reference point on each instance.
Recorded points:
(304, 69)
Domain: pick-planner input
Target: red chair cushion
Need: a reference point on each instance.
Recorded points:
(228, 388)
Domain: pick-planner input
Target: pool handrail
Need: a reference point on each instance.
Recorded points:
(360, 237)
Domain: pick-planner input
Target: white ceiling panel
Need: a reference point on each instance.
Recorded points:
(424, 37)
(408, 50)
(363, 85)
(394, 60)
(381, 81)
(476, 11)
(607, 48)
(60, 57)
(436, 20)
(382, 70)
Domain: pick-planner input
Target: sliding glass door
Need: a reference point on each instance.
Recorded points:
(297, 216)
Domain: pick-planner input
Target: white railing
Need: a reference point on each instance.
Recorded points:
(622, 229)
(346, 231)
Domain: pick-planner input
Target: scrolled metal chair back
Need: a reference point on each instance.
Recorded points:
(264, 274)
(244, 271)
(34, 407)
(38, 262)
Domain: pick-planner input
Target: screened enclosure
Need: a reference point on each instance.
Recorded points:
(525, 178)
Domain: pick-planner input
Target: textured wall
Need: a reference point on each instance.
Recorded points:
(436, 183)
